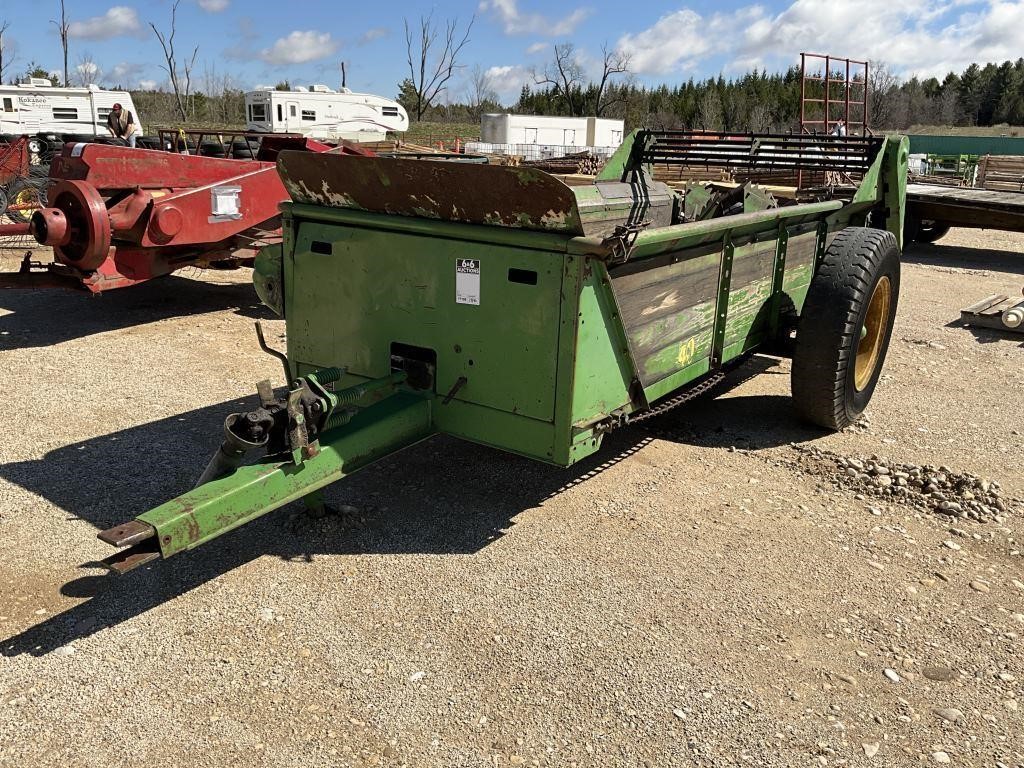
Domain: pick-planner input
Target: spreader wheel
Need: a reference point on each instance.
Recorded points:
(845, 326)
(86, 243)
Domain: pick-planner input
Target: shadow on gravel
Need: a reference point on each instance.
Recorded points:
(751, 422)
(960, 257)
(987, 335)
(444, 496)
(39, 318)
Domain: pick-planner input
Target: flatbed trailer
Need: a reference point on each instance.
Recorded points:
(933, 208)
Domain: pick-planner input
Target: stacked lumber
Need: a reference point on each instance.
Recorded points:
(1001, 173)
(577, 163)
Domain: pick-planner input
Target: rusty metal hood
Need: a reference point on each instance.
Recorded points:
(516, 197)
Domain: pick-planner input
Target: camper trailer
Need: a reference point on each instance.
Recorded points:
(322, 113)
(38, 107)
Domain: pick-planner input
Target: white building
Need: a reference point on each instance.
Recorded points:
(322, 113)
(38, 107)
(551, 129)
(542, 136)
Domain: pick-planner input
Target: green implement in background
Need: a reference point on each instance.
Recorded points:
(927, 144)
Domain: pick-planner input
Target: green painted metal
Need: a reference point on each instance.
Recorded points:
(534, 338)
(221, 505)
(927, 144)
(723, 302)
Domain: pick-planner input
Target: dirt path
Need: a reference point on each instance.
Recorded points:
(714, 589)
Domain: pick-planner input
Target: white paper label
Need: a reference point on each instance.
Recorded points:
(225, 203)
(467, 281)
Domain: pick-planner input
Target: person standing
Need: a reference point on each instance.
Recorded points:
(121, 124)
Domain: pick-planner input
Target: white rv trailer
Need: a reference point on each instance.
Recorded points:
(38, 107)
(551, 130)
(322, 113)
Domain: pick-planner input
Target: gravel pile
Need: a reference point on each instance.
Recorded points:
(935, 488)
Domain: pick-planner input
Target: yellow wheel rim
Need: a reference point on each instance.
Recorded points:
(872, 335)
(26, 200)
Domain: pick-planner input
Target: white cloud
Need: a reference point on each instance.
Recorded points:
(508, 80)
(116, 22)
(674, 42)
(913, 36)
(125, 73)
(147, 85)
(300, 48)
(517, 22)
(88, 71)
(373, 34)
(920, 37)
(537, 48)
(214, 6)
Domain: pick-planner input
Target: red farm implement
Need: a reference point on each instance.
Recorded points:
(117, 216)
(21, 190)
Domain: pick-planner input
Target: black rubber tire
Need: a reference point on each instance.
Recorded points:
(829, 329)
(930, 231)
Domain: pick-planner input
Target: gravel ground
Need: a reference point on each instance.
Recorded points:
(713, 589)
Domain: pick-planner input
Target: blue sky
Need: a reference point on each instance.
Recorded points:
(263, 41)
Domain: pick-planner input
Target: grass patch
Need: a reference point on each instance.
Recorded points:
(425, 132)
(966, 130)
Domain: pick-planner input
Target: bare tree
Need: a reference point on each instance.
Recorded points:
(948, 107)
(87, 70)
(225, 101)
(6, 50)
(62, 29)
(709, 111)
(433, 61)
(615, 62)
(883, 95)
(565, 76)
(481, 91)
(759, 118)
(178, 71)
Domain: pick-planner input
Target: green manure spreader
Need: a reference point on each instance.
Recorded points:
(505, 307)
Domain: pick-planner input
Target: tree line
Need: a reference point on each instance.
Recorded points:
(981, 95)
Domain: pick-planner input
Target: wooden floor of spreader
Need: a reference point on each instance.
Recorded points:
(987, 313)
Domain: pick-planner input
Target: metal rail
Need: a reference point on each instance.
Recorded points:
(854, 79)
(762, 153)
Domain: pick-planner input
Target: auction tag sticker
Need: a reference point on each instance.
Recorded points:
(467, 281)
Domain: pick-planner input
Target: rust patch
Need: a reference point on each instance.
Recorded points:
(521, 198)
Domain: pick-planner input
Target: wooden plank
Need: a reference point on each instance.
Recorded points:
(985, 303)
(988, 313)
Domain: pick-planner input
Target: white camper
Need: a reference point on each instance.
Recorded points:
(38, 107)
(322, 113)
